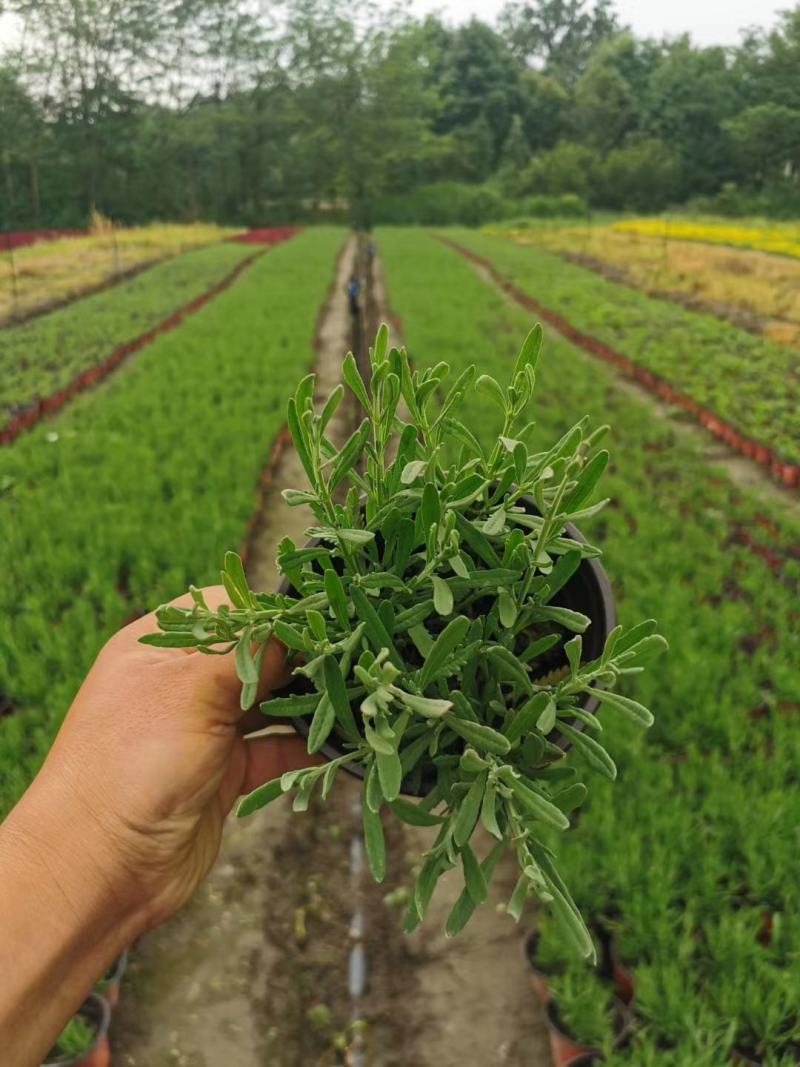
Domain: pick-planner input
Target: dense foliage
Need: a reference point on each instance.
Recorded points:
(749, 381)
(698, 846)
(233, 113)
(427, 617)
(100, 506)
(45, 354)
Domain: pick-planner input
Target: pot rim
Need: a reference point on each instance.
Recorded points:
(102, 1011)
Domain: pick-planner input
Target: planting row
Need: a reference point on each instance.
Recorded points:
(757, 292)
(132, 491)
(690, 857)
(780, 238)
(745, 381)
(45, 274)
(43, 356)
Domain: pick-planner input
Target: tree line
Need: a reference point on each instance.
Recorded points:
(248, 111)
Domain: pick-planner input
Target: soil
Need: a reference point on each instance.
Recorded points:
(290, 955)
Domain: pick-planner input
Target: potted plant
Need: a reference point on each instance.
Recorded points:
(583, 1016)
(84, 1041)
(544, 955)
(451, 632)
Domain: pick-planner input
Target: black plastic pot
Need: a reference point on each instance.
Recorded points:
(587, 591)
(540, 977)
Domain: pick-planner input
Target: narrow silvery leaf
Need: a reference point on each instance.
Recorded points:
(259, 798)
(474, 877)
(635, 711)
(573, 649)
(591, 750)
(413, 470)
(442, 596)
(507, 609)
(374, 843)
(468, 811)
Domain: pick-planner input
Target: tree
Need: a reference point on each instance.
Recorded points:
(558, 35)
(767, 140)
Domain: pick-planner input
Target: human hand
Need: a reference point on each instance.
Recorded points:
(152, 755)
(124, 820)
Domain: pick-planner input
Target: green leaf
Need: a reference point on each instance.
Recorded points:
(334, 590)
(635, 711)
(356, 537)
(246, 666)
(519, 897)
(468, 811)
(332, 403)
(413, 814)
(426, 883)
(465, 905)
(259, 798)
(430, 707)
(547, 719)
(571, 798)
(489, 387)
(355, 381)
(348, 457)
(507, 609)
(169, 640)
(337, 693)
(413, 470)
(473, 876)
(538, 806)
(299, 440)
(489, 811)
(442, 596)
(390, 773)
(573, 649)
(483, 737)
(235, 568)
(373, 794)
(443, 647)
(289, 636)
(529, 353)
(589, 477)
(376, 632)
(591, 750)
(496, 523)
(374, 843)
(321, 724)
(509, 666)
(524, 720)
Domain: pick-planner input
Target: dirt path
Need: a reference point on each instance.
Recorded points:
(290, 955)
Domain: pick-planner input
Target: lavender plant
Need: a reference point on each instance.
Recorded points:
(422, 621)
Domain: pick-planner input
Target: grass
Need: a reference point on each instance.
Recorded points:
(54, 271)
(746, 380)
(137, 487)
(697, 839)
(45, 354)
(755, 290)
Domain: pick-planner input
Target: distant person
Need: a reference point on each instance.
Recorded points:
(353, 292)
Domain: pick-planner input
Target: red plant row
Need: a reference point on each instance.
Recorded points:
(20, 238)
(49, 405)
(271, 236)
(787, 474)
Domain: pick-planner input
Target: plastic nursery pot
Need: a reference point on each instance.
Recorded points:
(109, 985)
(567, 1050)
(588, 591)
(540, 977)
(96, 1012)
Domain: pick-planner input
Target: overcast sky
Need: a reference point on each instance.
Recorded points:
(708, 21)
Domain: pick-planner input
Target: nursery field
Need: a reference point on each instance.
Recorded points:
(690, 858)
(781, 238)
(686, 868)
(752, 289)
(748, 381)
(45, 273)
(41, 357)
(95, 500)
